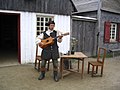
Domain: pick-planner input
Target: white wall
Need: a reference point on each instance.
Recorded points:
(63, 24)
(28, 35)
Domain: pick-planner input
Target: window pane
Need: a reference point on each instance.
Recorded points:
(42, 24)
(38, 23)
(46, 19)
(46, 28)
(38, 28)
(113, 25)
(38, 19)
(42, 19)
(37, 33)
(50, 19)
(41, 28)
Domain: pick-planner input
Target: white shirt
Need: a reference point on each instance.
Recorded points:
(40, 37)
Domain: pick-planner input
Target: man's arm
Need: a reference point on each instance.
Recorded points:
(38, 38)
(60, 37)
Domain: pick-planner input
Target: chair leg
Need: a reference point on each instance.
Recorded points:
(92, 70)
(48, 65)
(70, 64)
(39, 66)
(96, 69)
(35, 63)
(101, 71)
(88, 67)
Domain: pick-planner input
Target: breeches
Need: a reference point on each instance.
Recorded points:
(55, 64)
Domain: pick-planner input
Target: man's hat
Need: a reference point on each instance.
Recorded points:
(50, 22)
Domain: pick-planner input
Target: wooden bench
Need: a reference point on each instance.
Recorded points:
(114, 50)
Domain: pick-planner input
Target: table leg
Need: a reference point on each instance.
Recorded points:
(61, 68)
(78, 65)
(113, 54)
(82, 68)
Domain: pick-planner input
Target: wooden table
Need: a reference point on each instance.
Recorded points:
(78, 56)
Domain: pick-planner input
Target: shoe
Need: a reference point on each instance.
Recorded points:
(56, 77)
(42, 76)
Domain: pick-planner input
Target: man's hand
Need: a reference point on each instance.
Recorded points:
(60, 37)
(41, 43)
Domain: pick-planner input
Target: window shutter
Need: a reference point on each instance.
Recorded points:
(118, 33)
(107, 32)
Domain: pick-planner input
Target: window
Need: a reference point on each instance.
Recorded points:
(41, 23)
(112, 32)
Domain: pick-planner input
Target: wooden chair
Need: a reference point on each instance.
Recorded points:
(99, 63)
(38, 60)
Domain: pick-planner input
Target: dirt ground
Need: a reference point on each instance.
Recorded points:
(25, 77)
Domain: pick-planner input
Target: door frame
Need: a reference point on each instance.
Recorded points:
(19, 43)
(18, 32)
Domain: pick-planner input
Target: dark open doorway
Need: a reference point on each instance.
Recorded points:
(9, 38)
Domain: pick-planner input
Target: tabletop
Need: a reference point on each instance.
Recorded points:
(76, 55)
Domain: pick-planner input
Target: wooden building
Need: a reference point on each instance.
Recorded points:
(95, 23)
(102, 32)
(22, 20)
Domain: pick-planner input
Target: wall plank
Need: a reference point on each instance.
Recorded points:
(63, 7)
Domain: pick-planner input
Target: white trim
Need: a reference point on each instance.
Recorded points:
(84, 18)
(84, 3)
(43, 14)
(9, 11)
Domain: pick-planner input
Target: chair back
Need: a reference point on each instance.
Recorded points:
(38, 56)
(36, 50)
(101, 55)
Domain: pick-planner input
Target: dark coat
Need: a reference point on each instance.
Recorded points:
(50, 52)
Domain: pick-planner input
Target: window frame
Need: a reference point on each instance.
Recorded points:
(113, 32)
(41, 21)
(107, 32)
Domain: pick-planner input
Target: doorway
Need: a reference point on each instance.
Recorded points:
(9, 38)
